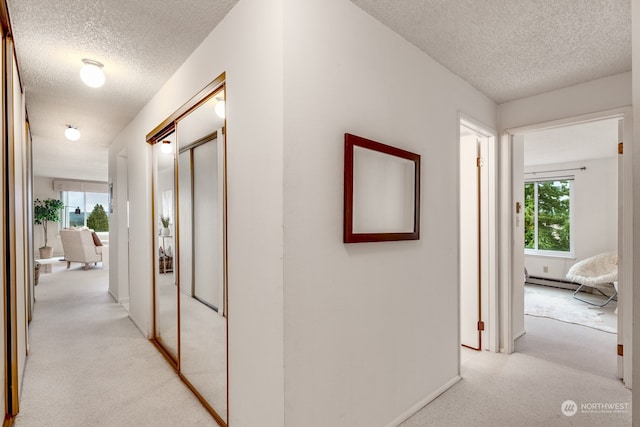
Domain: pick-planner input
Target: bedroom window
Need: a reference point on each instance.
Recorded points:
(548, 217)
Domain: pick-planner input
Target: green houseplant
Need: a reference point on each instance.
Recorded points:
(45, 211)
(165, 221)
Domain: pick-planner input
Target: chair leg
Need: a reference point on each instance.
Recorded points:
(614, 295)
(86, 266)
(68, 264)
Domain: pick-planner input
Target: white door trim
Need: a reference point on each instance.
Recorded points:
(490, 338)
(625, 303)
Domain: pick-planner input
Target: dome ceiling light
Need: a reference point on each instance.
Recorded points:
(72, 133)
(166, 147)
(91, 73)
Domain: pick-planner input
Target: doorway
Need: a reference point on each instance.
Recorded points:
(477, 237)
(580, 155)
(122, 286)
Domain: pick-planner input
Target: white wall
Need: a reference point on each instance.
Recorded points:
(247, 45)
(370, 329)
(43, 189)
(119, 276)
(595, 227)
(591, 97)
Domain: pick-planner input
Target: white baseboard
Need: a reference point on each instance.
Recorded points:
(113, 296)
(520, 334)
(424, 402)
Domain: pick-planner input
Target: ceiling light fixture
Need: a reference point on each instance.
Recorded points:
(91, 73)
(72, 133)
(166, 146)
(220, 108)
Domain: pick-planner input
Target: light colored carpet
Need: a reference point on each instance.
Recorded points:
(574, 346)
(544, 301)
(554, 361)
(90, 366)
(520, 390)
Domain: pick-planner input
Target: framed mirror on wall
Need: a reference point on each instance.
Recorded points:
(381, 192)
(190, 259)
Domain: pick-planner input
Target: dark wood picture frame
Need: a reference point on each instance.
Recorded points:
(351, 236)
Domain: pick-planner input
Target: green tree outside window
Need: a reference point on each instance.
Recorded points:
(529, 215)
(97, 219)
(547, 221)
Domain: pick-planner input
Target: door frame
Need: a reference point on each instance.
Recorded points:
(625, 230)
(120, 290)
(490, 304)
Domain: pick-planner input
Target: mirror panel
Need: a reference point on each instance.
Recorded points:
(203, 323)
(200, 122)
(190, 280)
(185, 222)
(207, 218)
(165, 290)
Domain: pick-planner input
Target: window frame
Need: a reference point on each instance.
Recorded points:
(552, 253)
(64, 218)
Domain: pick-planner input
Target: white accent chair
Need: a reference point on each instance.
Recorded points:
(598, 272)
(79, 246)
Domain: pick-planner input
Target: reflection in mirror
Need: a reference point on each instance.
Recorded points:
(203, 322)
(165, 291)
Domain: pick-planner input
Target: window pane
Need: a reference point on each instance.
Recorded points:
(86, 209)
(554, 216)
(529, 216)
(97, 218)
(75, 202)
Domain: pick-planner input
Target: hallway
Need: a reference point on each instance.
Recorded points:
(88, 365)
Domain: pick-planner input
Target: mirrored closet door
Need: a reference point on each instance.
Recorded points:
(165, 290)
(194, 246)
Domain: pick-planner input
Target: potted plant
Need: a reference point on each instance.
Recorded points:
(164, 220)
(45, 211)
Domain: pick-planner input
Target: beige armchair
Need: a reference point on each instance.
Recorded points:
(79, 246)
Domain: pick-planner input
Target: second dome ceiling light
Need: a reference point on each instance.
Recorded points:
(92, 75)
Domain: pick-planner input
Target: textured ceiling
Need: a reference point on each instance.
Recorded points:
(140, 43)
(506, 49)
(575, 143)
(517, 48)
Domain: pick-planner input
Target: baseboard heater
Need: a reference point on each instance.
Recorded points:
(556, 283)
